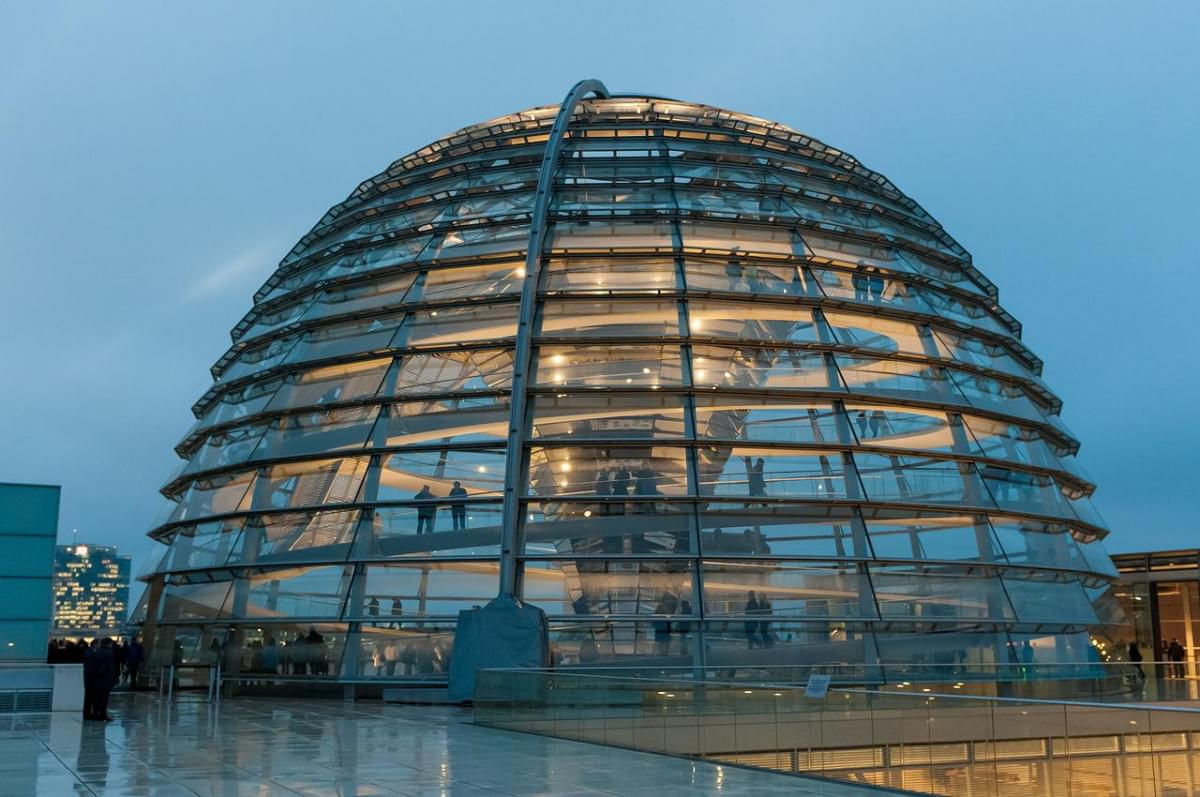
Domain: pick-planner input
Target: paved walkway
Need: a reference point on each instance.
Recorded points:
(288, 747)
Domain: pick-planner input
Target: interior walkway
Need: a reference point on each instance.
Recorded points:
(287, 747)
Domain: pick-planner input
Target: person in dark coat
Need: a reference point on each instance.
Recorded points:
(458, 506)
(89, 678)
(426, 512)
(134, 656)
(99, 675)
(752, 625)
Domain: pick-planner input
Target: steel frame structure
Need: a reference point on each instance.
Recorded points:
(592, 318)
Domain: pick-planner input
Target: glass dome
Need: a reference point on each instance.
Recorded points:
(746, 403)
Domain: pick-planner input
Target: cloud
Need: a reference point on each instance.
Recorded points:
(231, 273)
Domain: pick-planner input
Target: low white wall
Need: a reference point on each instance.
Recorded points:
(68, 687)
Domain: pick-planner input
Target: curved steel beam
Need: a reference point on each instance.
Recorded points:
(513, 472)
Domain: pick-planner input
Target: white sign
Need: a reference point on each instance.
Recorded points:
(817, 686)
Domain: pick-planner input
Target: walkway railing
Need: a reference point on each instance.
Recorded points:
(927, 741)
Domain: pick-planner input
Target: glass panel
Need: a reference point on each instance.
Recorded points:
(770, 241)
(1039, 544)
(216, 495)
(772, 420)
(1048, 598)
(428, 589)
(398, 531)
(493, 279)
(417, 650)
(469, 419)
(763, 472)
(908, 478)
(477, 242)
(259, 358)
(593, 527)
(787, 590)
(275, 318)
(896, 534)
(304, 484)
(372, 258)
(296, 592)
(1097, 558)
(343, 382)
(226, 448)
(604, 236)
(590, 643)
(296, 537)
(872, 286)
(1003, 440)
(935, 648)
(611, 473)
(780, 369)
(752, 321)
(850, 252)
(939, 593)
(608, 366)
(738, 275)
(897, 378)
(454, 372)
(203, 545)
(240, 403)
(595, 586)
(1026, 492)
(356, 298)
(350, 337)
(318, 431)
(182, 601)
(938, 270)
(875, 332)
(617, 319)
(913, 428)
(954, 346)
(733, 529)
(986, 393)
(585, 275)
(608, 416)
(458, 325)
(426, 475)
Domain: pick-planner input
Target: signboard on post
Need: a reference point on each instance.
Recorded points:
(817, 687)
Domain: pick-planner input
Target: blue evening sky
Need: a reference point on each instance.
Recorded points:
(157, 160)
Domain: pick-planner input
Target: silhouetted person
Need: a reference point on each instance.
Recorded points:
(756, 478)
(103, 674)
(861, 421)
(685, 628)
(646, 484)
(733, 271)
(861, 283)
(316, 651)
(662, 627)
(1135, 661)
(427, 512)
(878, 420)
(135, 655)
(764, 628)
(458, 506)
(751, 625)
(1175, 654)
(397, 612)
(373, 607)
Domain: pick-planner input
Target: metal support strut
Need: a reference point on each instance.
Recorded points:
(523, 353)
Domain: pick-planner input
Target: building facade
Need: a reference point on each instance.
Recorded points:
(91, 590)
(701, 387)
(28, 529)
(1160, 594)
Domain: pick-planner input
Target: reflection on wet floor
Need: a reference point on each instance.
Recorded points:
(288, 747)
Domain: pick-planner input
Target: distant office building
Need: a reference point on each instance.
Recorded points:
(91, 588)
(28, 527)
